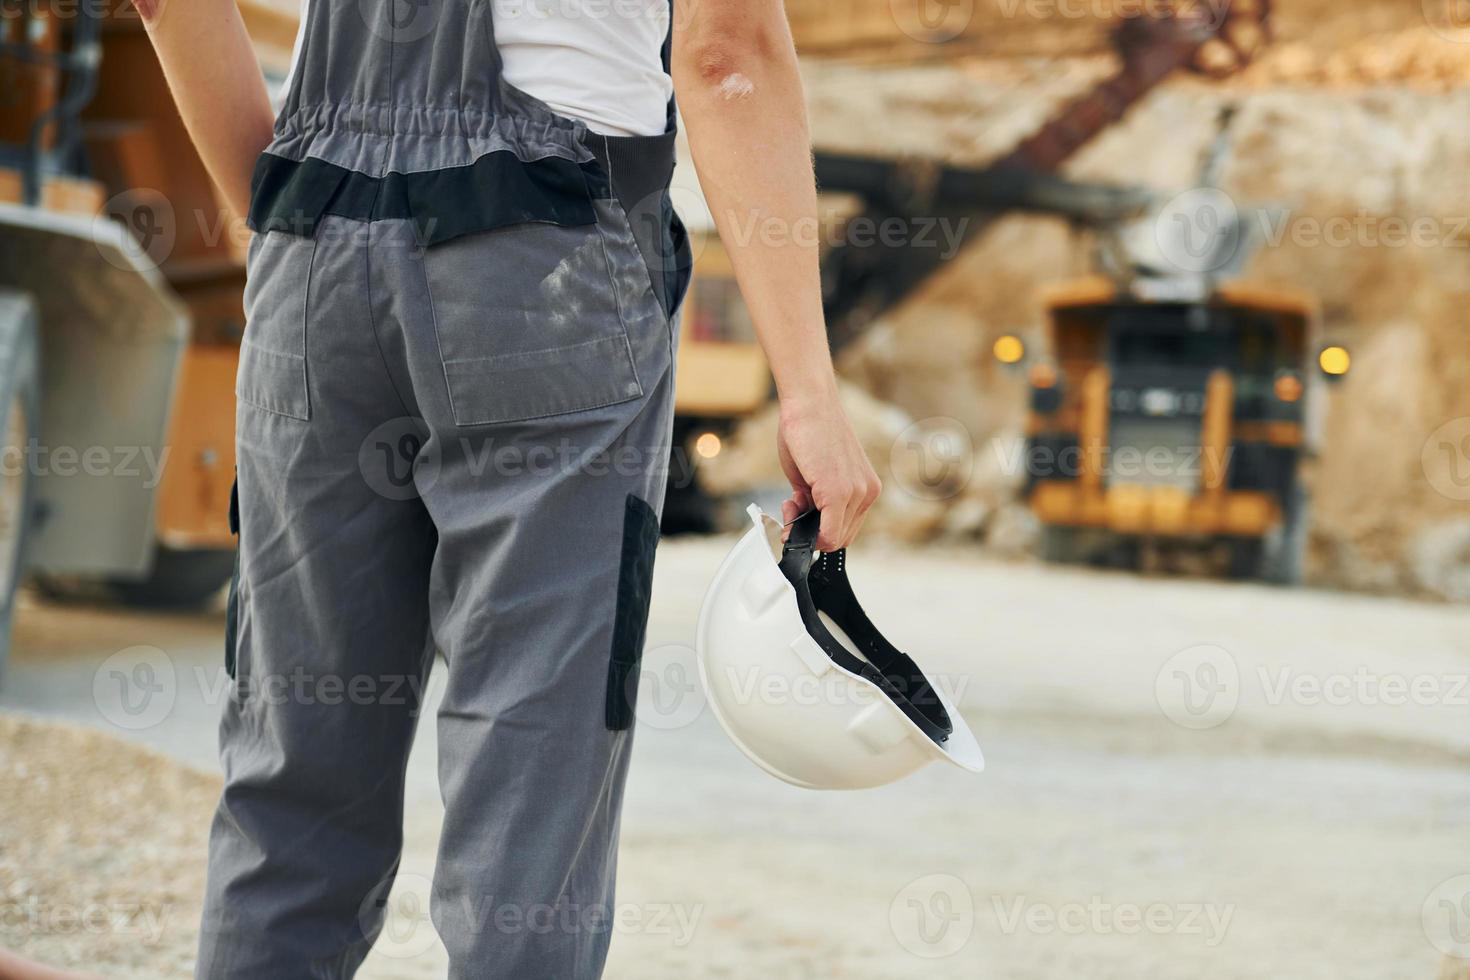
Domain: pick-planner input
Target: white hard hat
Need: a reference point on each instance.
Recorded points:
(802, 681)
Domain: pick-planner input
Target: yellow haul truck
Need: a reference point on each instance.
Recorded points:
(1178, 420)
(121, 282)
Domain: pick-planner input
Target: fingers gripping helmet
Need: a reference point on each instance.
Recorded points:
(802, 681)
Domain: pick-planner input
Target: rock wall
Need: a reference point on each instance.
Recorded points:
(1373, 217)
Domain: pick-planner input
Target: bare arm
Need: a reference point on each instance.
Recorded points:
(217, 83)
(740, 93)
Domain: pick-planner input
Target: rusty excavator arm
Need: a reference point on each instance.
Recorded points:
(860, 282)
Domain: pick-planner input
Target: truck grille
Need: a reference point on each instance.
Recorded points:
(1154, 452)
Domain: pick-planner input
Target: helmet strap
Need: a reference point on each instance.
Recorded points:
(822, 588)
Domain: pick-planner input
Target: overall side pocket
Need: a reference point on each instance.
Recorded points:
(272, 374)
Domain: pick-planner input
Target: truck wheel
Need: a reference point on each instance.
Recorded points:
(19, 419)
(181, 578)
(1244, 557)
(1283, 557)
(1061, 544)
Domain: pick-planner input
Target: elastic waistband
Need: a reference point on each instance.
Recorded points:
(638, 167)
(497, 189)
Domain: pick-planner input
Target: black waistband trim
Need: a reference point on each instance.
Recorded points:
(496, 190)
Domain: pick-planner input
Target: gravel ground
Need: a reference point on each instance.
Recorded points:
(1187, 779)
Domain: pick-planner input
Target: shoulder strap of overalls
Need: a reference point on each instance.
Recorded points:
(667, 54)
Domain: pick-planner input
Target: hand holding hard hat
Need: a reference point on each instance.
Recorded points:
(803, 682)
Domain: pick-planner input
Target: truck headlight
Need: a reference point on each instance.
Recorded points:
(1334, 360)
(1008, 349)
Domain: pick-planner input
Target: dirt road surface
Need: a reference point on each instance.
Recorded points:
(1186, 779)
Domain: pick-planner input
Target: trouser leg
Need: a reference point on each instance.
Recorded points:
(539, 589)
(331, 639)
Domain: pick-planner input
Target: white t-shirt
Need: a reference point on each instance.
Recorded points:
(597, 61)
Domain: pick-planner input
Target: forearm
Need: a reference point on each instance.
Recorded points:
(216, 81)
(740, 92)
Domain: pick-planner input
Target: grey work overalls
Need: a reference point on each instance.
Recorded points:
(455, 402)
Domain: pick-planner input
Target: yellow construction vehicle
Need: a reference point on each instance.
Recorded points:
(1186, 419)
(722, 377)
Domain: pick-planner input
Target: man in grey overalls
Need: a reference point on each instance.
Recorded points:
(455, 400)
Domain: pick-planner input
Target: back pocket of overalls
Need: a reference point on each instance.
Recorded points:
(272, 374)
(529, 324)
